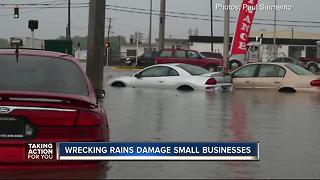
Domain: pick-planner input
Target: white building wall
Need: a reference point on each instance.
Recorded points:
(37, 43)
(207, 47)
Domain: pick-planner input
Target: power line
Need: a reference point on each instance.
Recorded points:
(202, 16)
(84, 5)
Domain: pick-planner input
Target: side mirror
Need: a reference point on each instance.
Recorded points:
(100, 93)
(137, 76)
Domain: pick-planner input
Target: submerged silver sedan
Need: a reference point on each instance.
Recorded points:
(182, 77)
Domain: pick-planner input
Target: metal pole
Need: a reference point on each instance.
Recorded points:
(150, 27)
(69, 20)
(32, 37)
(211, 25)
(162, 24)
(108, 40)
(275, 30)
(137, 47)
(226, 37)
(96, 49)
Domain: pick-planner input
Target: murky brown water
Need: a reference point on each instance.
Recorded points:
(287, 126)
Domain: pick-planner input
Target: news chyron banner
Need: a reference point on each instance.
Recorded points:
(129, 151)
(243, 28)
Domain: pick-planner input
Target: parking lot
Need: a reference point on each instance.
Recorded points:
(286, 125)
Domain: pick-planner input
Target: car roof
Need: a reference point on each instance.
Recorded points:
(177, 49)
(274, 63)
(37, 52)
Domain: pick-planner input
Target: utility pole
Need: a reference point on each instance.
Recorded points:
(211, 25)
(162, 24)
(150, 27)
(69, 21)
(108, 41)
(275, 30)
(96, 32)
(226, 37)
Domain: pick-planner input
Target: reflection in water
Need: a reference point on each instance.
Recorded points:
(286, 125)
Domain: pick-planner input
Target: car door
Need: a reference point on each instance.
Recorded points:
(244, 77)
(194, 58)
(153, 77)
(269, 76)
(172, 79)
(181, 57)
(166, 56)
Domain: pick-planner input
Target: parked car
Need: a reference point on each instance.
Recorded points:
(212, 55)
(311, 63)
(46, 97)
(146, 59)
(183, 77)
(283, 77)
(186, 56)
(287, 60)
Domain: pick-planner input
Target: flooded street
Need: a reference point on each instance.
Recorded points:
(286, 125)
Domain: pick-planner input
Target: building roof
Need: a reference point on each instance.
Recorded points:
(287, 34)
(282, 41)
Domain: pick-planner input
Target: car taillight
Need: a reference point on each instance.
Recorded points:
(315, 83)
(87, 118)
(211, 81)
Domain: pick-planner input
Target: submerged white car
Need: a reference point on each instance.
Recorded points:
(182, 77)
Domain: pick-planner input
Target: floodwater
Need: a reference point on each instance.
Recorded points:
(286, 125)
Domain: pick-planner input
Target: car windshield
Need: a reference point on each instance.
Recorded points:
(298, 69)
(41, 74)
(193, 70)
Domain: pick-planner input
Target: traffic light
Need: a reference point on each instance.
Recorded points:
(107, 45)
(16, 12)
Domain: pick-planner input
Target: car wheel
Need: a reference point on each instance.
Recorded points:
(287, 90)
(234, 64)
(118, 84)
(185, 88)
(313, 68)
(212, 68)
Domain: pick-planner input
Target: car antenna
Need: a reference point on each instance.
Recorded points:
(17, 53)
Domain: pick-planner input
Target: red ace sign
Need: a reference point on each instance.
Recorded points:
(241, 37)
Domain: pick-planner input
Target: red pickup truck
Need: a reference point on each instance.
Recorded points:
(187, 56)
(311, 63)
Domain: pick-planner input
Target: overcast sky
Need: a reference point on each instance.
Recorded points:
(52, 22)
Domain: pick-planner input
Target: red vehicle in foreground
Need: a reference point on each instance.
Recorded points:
(46, 97)
(187, 56)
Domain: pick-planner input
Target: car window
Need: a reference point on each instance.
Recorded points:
(41, 74)
(246, 71)
(147, 55)
(270, 70)
(282, 72)
(158, 71)
(166, 54)
(181, 54)
(288, 60)
(277, 60)
(173, 72)
(193, 55)
(298, 69)
(193, 70)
